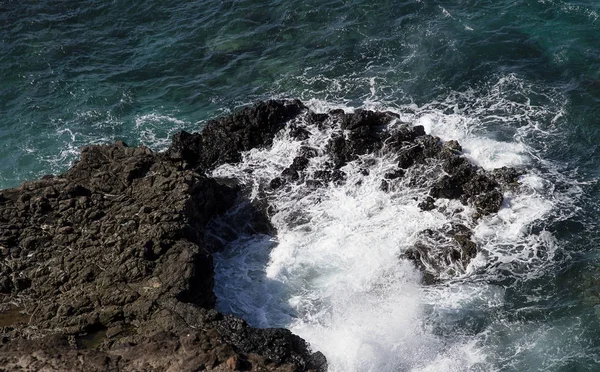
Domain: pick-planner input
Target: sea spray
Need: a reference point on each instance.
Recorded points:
(332, 271)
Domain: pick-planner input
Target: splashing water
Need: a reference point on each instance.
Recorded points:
(332, 274)
(516, 83)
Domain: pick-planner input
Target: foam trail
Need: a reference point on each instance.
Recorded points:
(155, 130)
(333, 274)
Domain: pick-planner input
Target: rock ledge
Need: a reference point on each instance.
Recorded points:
(107, 267)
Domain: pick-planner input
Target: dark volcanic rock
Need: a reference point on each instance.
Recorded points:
(292, 173)
(428, 204)
(442, 253)
(108, 267)
(113, 252)
(364, 134)
(223, 140)
(427, 162)
(185, 147)
(299, 133)
(330, 175)
(506, 176)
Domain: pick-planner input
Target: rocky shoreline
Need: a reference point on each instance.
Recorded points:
(108, 266)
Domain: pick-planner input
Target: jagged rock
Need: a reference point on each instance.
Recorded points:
(308, 152)
(449, 187)
(112, 263)
(453, 146)
(488, 202)
(402, 136)
(467, 182)
(114, 251)
(394, 174)
(428, 204)
(431, 163)
(506, 176)
(442, 253)
(330, 175)
(318, 119)
(185, 147)
(276, 183)
(224, 139)
(292, 173)
(299, 133)
(364, 135)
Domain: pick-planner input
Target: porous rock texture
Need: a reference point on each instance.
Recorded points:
(423, 161)
(107, 267)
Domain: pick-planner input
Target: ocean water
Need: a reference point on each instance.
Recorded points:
(516, 82)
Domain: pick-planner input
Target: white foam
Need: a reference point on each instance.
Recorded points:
(155, 130)
(485, 152)
(346, 290)
(336, 278)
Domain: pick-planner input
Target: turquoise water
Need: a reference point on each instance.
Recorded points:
(521, 73)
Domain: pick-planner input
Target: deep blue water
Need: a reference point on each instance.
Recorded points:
(517, 72)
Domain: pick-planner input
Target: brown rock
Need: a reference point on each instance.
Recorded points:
(111, 257)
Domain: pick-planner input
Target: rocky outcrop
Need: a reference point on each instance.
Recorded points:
(365, 132)
(106, 267)
(223, 140)
(446, 251)
(422, 161)
(109, 265)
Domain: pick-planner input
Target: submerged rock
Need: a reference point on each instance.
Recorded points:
(442, 253)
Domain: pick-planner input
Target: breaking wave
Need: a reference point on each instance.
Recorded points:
(333, 273)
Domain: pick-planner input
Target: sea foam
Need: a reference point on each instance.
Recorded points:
(333, 273)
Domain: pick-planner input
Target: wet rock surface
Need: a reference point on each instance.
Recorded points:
(446, 250)
(423, 161)
(223, 140)
(109, 265)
